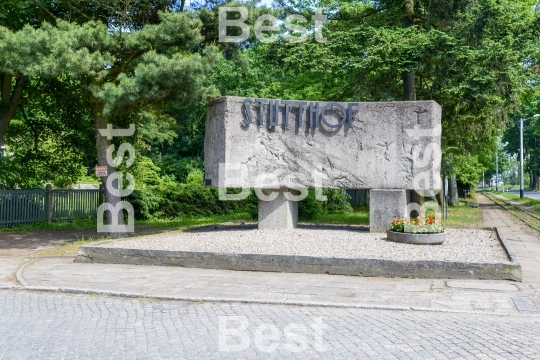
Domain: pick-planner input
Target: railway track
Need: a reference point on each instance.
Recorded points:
(529, 218)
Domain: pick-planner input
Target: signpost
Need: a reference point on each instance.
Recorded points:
(101, 171)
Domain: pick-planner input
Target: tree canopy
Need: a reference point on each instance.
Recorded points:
(155, 62)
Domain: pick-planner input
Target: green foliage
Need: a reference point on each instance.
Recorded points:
(158, 62)
(53, 50)
(129, 70)
(37, 158)
(180, 168)
(473, 58)
(75, 224)
(531, 137)
(139, 62)
(50, 139)
(337, 202)
(169, 200)
(310, 207)
(145, 172)
(156, 126)
(195, 178)
(357, 217)
(467, 169)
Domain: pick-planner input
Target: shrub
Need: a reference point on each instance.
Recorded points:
(337, 202)
(180, 168)
(310, 207)
(195, 178)
(171, 200)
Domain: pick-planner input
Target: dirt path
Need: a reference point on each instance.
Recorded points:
(29, 243)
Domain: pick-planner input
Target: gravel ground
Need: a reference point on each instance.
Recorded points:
(466, 245)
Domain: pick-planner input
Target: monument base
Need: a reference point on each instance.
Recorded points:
(278, 214)
(385, 206)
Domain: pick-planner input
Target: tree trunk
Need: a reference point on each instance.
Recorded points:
(11, 97)
(453, 196)
(409, 85)
(102, 143)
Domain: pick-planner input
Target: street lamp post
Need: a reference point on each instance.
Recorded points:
(497, 169)
(521, 153)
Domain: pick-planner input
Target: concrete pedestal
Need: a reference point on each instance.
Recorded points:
(278, 214)
(384, 206)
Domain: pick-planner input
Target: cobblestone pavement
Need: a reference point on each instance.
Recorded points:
(68, 326)
(527, 304)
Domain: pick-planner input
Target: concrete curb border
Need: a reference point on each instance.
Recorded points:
(9, 287)
(67, 290)
(509, 250)
(29, 262)
(510, 270)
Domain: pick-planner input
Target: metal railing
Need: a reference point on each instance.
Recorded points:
(30, 206)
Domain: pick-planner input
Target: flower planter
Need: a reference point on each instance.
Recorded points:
(418, 239)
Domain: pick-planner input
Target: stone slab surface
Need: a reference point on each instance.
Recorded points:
(523, 240)
(384, 206)
(101, 253)
(8, 268)
(280, 213)
(194, 284)
(389, 145)
(418, 239)
(481, 285)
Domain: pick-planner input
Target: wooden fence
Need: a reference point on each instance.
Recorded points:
(30, 206)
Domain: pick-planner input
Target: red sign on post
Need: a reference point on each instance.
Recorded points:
(101, 171)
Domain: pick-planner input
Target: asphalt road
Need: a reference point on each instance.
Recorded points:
(531, 194)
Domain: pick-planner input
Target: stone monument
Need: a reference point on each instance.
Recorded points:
(277, 145)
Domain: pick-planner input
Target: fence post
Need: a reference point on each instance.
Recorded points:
(101, 194)
(48, 203)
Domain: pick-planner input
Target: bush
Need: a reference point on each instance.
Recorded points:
(180, 167)
(337, 202)
(195, 178)
(310, 207)
(171, 200)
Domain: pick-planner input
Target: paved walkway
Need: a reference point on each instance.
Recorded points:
(524, 240)
(277, 288)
